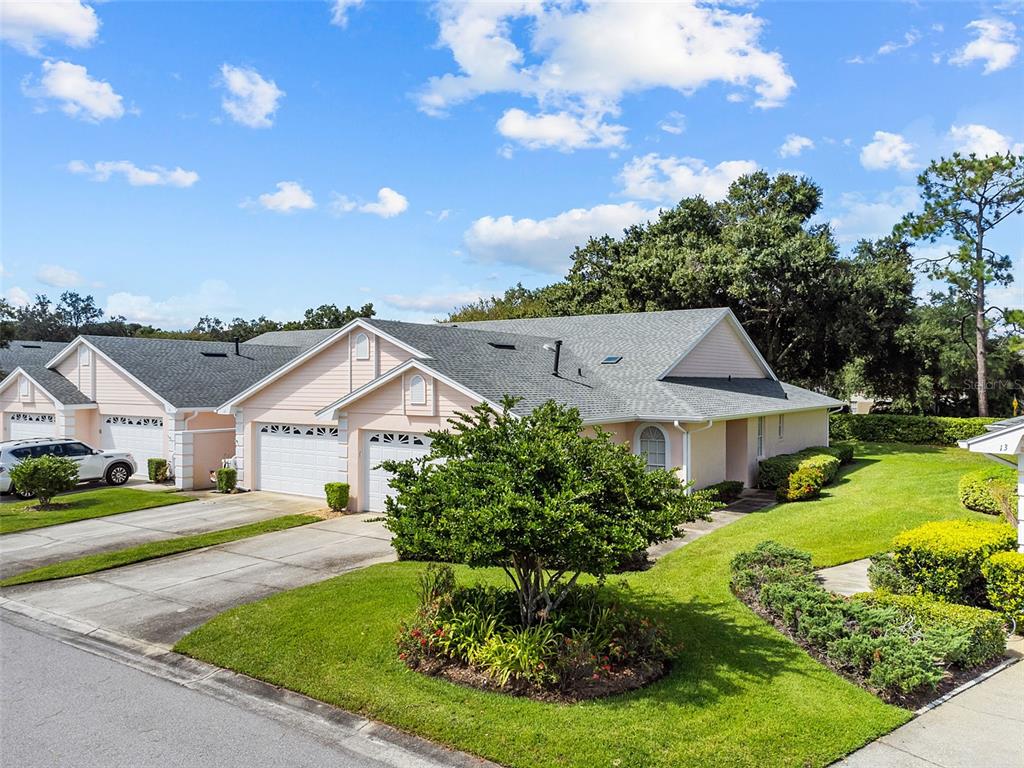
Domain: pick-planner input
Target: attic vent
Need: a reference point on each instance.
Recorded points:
(611, 360)
(214, 354)
(31, 346)
(496, 345)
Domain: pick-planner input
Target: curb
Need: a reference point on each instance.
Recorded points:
(1009, 662)
(359, 735)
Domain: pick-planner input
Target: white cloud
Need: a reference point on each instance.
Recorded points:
(17, 296)
(79, 94)
(862, 217)
(582, 59)
(546, 244)
(27, 25)
(155, 175)
(435, 302)
(289, 196)
(982, 140)
(389, 204)
(58, 277)
(909, 39)
(674, 123)
(669, 179)
(559, 130)
(214, 297)
(794, 145)
(340, 9)
(887, 150)
(250, 99)
(995, 44)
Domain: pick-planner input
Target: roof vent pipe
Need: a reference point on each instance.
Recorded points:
(558, 354)
(238, 351)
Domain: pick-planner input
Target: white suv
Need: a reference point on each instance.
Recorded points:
(113, 467)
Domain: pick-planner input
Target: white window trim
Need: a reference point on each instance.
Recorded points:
(413, 399)
(782, 426)
(760, 437)
(84, 356)
(664, 434)
(364, 337)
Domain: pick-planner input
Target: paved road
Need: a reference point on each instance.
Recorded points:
(42, 546)
(63, 707)
(162, 600)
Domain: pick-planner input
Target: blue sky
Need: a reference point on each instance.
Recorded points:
(180, 159)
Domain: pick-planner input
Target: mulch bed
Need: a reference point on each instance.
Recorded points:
(609, 684)
(955, 677)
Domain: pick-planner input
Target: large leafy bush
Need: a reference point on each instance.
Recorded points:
(816, 466)
(944, 559)
(44, 477)
(992, 490)
(536, 497)
(891, 428)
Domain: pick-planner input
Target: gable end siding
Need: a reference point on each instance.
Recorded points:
(721, 353)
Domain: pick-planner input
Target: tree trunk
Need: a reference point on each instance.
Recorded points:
(980, 343)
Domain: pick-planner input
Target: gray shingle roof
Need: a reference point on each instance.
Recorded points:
(180, 373)
(301, 339)
(24, 353)
(648, 342)
(58, 386)
(1011, 422)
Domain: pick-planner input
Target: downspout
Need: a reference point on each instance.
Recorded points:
(828, 423)
(687, 463)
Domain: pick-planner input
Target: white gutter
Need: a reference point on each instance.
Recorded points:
(687, 463)
(204, 431)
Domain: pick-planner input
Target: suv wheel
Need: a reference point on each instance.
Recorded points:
(21, 494)
(118, 474)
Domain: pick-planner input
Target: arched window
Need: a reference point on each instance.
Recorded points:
(362, 347)
(653, 444)
(417, 390)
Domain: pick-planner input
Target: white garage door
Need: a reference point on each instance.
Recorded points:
(141, 436)
(385, 446)
(23, 426)
(298, 458)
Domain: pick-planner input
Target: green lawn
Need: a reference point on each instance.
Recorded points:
(739, 694)
(105, 560)
(20, 516)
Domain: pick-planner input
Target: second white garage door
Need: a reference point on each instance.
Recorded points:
(141, 436)
(298, 458)
(23, 426)
(385, 446)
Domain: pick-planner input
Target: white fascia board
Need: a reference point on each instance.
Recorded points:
(81, 341)
(380, 381)
(1006, 441)
(316, 349)
(622, 419)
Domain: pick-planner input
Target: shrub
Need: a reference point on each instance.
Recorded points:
(992, 490)
(337, 496)
(890, 428)
(884, 575)
(157, 470)
(842, 451)
(957, 634)
(44, 477)
(1004, 584)
(944, 558)
(725, 491)
(775, 470)
(804, 483)
(227, 479)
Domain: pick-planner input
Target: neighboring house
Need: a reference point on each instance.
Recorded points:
(1005, 438)
(686, 388)
(156, 398)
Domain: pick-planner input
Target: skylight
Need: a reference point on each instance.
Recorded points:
(611, 360)
(31, 346)
(496, 345)
(214, 354)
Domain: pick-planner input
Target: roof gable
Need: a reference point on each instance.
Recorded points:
(50, 383)
(723, 350)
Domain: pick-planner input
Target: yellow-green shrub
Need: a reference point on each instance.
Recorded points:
(992, 490)
(1004, 583)
(944, 559)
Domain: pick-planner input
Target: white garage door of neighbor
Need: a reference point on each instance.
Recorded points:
(385, 446)
(298, 458)
(141, 436)
(24, 426)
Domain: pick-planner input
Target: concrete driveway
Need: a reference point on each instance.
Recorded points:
(162, 600)
(41, 546)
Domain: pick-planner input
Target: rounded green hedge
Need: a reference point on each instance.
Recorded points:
(944, 558)
(892, 428)
(1004, 583)
(992, 490)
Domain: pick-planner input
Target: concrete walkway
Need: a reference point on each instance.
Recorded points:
(41, 546)
(751, 501)
(983, 726)
(162, 600)
(846, 579)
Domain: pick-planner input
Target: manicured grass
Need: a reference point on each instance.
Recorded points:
(101, 562)
(71, 507)
(739, 694)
